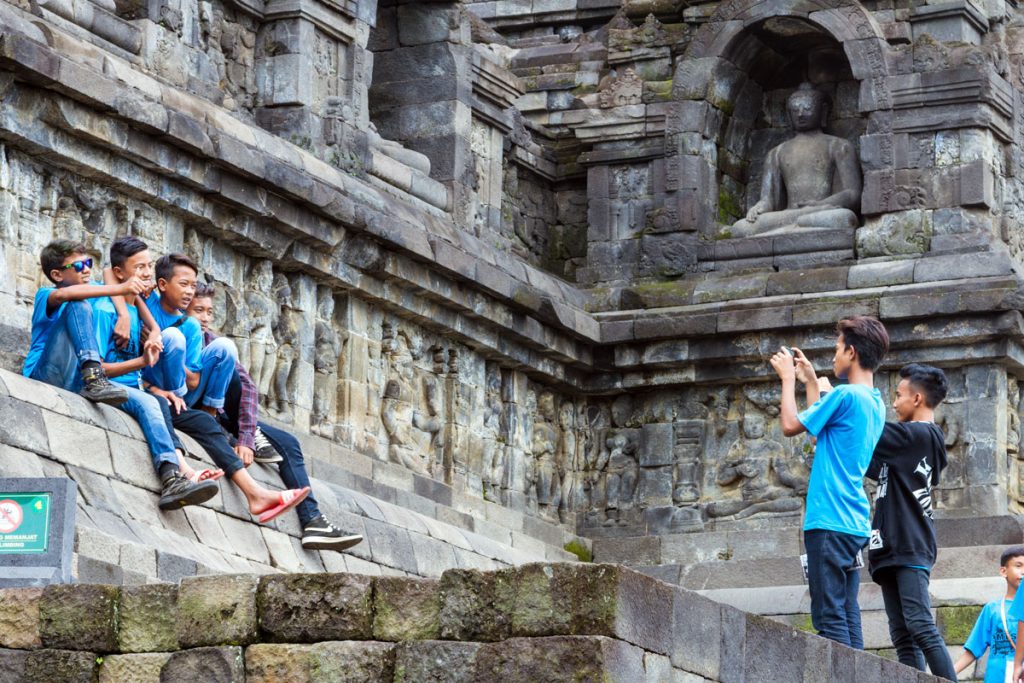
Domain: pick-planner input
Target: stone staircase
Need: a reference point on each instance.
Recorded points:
(538, 622)
(413, 526)
(759, 572)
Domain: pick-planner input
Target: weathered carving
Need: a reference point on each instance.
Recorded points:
(621, 476)
(493, 458)
(328, 347)
(258, 325)
(286, 335)
(621, 91)
(545, 438)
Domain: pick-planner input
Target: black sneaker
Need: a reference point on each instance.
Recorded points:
(178, 492)
(322, 535)
(99, 389)
(265, 452)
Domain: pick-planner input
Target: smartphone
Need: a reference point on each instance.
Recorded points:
(787, 350)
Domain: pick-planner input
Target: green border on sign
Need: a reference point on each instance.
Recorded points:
(33, 535)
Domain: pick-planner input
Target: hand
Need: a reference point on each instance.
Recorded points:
(122, 331)
(755, 211)
(245, 453)
(134, 285)
(178, 405)
(784, 365)
(804, 369)
(150, 354)
(155, 338)
(1018, 673)
(824, 386)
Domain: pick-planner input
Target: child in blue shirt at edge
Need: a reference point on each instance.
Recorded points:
(907, 463)
(847, 422)
(996, 628)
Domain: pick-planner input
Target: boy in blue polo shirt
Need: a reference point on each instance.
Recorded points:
(847, 422)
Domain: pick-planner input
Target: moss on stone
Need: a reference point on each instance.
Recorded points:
(728, 206)
(955, 622)
(803, 623)
(579, 550)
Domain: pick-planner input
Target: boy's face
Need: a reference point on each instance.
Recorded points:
(1012, 571)
(907, 400)
(139, 265)
(201, 309)
(843, 359)
(69, 274)
(179, 290)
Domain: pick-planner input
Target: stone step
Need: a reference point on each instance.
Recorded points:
(121, 536)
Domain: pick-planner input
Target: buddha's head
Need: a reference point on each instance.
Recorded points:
(808, 108)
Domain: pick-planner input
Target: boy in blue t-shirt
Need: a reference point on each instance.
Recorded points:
(996, 627)
(847, 422)
(130, 260)
(187, 373)
(63, 350)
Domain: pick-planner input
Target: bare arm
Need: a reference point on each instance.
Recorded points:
(81, 292)
(784, 366)
(1018, 658)
(966, 659)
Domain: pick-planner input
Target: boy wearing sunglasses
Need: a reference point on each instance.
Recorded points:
(63, 351)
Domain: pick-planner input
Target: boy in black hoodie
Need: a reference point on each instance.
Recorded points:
(907, 462)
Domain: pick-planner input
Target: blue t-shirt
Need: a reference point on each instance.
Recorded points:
(42, 323)
(988, 633)
(190, 328)
(104, 317)
(848, 422)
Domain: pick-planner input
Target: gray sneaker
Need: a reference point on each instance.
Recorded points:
(320, 534)
(99, 389)
(265, 451)
(178, 492)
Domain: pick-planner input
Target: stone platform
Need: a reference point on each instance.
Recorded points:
(539, 622)
(412, 526)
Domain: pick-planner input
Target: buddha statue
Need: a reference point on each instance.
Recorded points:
(810, 181)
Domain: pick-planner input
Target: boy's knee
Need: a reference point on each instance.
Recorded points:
(222, 347)
(173, 339)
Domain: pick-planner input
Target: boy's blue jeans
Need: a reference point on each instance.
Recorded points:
(292, 469)
(146, 410)
(217, 365)
(833, 583)
(911, 627)
(72, 341)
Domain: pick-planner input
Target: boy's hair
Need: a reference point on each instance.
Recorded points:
(204, 290)
(1010, 553)
(53, 254)
(929, 380)
(868, 337)
(123, 248)
(165, 265)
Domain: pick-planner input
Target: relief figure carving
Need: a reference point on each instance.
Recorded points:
(286, 334)
(327, 349)
(261, 318)
(621, 476)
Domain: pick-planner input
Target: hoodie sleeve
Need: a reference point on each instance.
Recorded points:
(896, 438)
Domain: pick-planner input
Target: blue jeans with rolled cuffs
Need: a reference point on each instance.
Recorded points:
(834, 581)
(147, 411)
(72, 341)
(217, 364)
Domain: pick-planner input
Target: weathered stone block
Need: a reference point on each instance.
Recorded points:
(221, 664)
(19, 618)
(435, 660)
(133, 668)
(60, 666)
(12, 665)
(406, 609)
(79, 617)
(354, 662)
(906, 232)
(277, 663)
(147, 618)
(559, 658)
(217, 610)
(309, 608)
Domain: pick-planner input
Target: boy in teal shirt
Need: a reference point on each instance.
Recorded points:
(996, 627)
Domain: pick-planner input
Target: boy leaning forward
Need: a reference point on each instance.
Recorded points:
(847, 421)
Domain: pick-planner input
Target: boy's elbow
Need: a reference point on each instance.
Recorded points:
(792, 428)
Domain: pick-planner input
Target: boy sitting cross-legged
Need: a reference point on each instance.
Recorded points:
(130, 260)
(187, 372)
(239, 417)
(63, 351)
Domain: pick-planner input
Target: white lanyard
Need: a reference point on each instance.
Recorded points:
(1006, 630)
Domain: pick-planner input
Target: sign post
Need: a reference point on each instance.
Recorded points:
(37, 531)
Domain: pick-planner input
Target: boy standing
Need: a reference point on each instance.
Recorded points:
(996, 629)
(239, 417)
(63, 351)
(847, 422)
(907, 463)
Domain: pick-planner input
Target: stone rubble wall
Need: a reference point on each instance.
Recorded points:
(550, 622)
(412, 525)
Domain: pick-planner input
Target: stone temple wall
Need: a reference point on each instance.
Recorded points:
(488, 243)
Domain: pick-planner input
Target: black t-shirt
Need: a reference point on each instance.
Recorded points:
(907, 462)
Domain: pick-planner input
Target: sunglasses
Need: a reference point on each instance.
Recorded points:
(79, 265)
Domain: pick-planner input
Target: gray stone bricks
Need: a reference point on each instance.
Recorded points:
(315, 607)
(217, 610)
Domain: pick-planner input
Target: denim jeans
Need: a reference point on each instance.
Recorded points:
(72, 341)
(205, 429)
(292, 468)
(146, 410)
(217, 363)
(911, 627)
(834, 581)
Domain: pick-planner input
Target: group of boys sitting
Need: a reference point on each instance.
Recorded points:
(142, 341)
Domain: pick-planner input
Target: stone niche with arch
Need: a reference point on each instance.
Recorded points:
(730, 92)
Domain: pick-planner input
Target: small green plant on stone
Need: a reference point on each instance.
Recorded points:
(579, 550)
